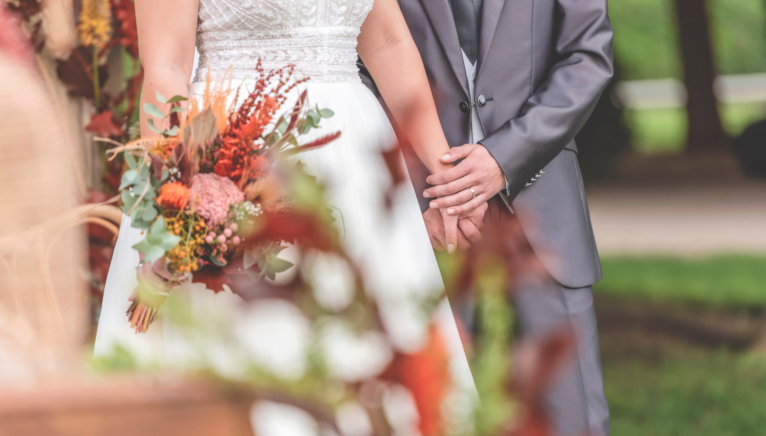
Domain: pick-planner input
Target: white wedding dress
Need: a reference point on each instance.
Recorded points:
(392, 247)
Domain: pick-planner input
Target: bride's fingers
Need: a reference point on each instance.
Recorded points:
(463, 243)
(450, 230)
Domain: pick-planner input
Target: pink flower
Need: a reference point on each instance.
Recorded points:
(211, 195)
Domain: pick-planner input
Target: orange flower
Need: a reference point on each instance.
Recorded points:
(173, 196)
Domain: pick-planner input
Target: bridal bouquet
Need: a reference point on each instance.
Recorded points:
(203, 187)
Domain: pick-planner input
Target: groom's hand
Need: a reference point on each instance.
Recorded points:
(478, 170)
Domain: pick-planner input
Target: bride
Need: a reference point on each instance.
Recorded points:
(322, 39)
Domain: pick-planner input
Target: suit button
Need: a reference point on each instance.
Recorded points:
(464, 107)
(482, 101)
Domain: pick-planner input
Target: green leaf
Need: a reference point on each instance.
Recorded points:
(157, 242)
(130, 160)
(160, 98)
(172, 132)
(149, 214)
(177, 109)
(153, 127)
(279, 265)
(129, 178)
(177, 98)
(158, 227)
(153, 110)
(326, 113)
(282, 125)
(127, 201)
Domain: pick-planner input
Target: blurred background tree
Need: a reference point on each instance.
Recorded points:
(704, 124)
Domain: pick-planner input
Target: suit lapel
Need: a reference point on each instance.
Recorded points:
(440, 14)
(490, 16)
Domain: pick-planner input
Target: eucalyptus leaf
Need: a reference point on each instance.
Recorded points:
(130, 160)
(157, 242)
(177, 98)
(153, 127)
(177, 109)
(153, 110)
(129, 178)
(127, 200)
(326, 113)
(160, 98)
(173, 131)
(149, 214)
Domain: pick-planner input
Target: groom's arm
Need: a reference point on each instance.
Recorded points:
(559, 108)
(549, 120)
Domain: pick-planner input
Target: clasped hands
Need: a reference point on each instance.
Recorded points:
(456, 214)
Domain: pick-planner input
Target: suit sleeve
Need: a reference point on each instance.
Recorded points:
(561, 105)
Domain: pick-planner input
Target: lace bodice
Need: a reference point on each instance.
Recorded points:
(318, 36)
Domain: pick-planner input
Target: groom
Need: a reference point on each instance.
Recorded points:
(514, 81)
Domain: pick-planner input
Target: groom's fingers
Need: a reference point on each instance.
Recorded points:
(450, 175)
(457, 153)
(466, 207)
(461, 197)
(453, 187)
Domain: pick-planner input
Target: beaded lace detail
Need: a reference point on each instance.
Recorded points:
(317, 36)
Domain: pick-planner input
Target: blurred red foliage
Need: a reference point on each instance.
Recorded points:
(426, 375)
(102, 124)
(538, 363)
(127, 32)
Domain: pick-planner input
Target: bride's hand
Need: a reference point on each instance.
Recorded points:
(450, 230)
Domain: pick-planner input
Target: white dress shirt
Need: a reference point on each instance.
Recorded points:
(476, 132)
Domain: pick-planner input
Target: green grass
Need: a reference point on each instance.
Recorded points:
(720, 280)
(657, 130)
(689, 393)
(664, 130)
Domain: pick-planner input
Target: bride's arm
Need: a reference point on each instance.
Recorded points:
(389, 53)
(166, 38)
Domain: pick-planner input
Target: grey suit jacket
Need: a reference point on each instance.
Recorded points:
(542, 67)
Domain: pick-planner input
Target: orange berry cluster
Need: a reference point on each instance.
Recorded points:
(192, 229)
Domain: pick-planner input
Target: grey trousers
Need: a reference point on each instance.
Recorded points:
(577, 401)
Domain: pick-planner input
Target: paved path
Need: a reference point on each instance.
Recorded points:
(698, 219)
